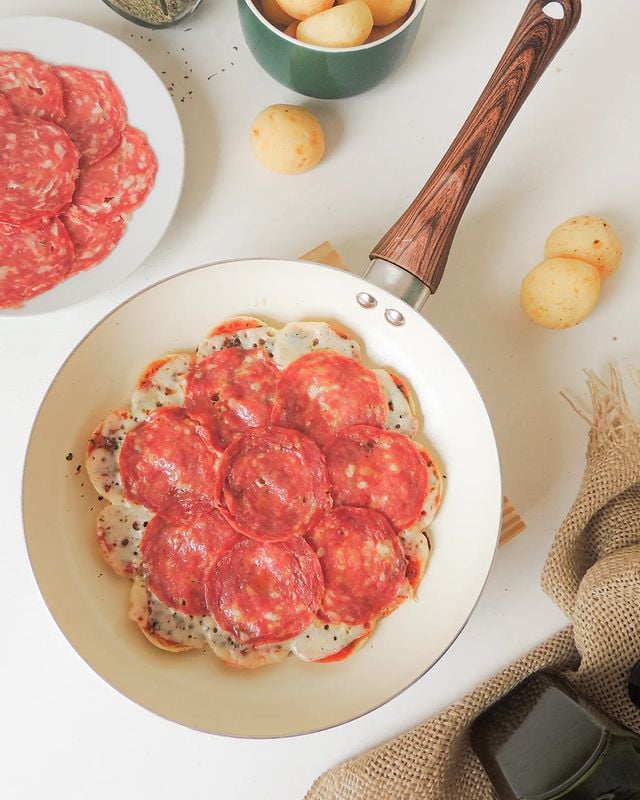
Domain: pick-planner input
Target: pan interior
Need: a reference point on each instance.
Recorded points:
(90, 604)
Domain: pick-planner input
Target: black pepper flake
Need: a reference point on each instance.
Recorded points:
(124, 542)
(100, 497)
(187, 29)
(144, 524)
(69, 457)
(326, 627)
(335, 638)
(235, 48)
(78, 468)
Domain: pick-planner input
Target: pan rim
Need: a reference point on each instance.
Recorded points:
(174, 719)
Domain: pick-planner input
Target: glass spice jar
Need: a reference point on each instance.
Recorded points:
(154, 14)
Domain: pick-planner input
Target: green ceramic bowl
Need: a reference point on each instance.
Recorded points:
(324, 71)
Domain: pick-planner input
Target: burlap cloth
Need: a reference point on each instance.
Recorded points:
(593, 574)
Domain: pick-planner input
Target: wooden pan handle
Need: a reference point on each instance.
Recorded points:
(420, 240)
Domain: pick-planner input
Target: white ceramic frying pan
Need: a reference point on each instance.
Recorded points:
(90, 604)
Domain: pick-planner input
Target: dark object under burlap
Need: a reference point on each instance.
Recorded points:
(593, 573)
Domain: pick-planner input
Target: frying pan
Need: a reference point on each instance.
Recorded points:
(90, 604)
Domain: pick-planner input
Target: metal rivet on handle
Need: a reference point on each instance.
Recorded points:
(366, 300)
(394, 317)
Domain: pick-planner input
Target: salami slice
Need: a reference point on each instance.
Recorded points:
(175, 557)
(38, 169)
(231, 391)
(265, 592)
(32, 259)
(272, 484)
(92, 239)
(31, 86)
(95, 113)
(371, 468)
(362, 563)
(322, 393)
(120, 181)
(168, 466)
(5, 107)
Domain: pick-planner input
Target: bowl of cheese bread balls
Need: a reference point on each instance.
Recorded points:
(330, 48)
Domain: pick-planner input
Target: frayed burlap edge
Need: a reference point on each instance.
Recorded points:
(613, 466)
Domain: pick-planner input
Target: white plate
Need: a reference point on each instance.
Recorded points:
(150, 108)
(89, 602)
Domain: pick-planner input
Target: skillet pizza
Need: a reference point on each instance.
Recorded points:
(265, 495)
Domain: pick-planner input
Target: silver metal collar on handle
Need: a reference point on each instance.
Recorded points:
(398, 282)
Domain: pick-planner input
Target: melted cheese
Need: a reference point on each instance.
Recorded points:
(401, 417)
(321, 640)
(417, 548)
(120, 530)
(241, 655)
(258, 335)
(103, 453)
(163, 386)
(163, 626)
(434, 494)
(298, 338)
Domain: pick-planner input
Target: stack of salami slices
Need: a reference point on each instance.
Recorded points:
(265, 494)
(71, 169)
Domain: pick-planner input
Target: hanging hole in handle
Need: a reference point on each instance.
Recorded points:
(554, 10)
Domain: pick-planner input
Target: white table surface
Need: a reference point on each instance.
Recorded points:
(64, 733)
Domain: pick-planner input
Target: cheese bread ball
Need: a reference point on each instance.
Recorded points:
(346, 25)
(274, 12)
(301, 9)
(287, 139)
(588, 239)
(560, 292)
(385, 12)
